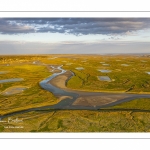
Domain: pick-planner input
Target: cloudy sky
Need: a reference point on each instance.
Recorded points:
(74, 35)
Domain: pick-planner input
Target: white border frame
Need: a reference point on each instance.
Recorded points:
(63, 14)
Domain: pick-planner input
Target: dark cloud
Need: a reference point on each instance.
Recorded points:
(76, 26)
(7, 27)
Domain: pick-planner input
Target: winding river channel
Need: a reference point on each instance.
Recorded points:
(67, 103)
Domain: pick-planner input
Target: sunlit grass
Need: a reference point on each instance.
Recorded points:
(34, 96)
(142, 104)
(82, 121)
(74, 120)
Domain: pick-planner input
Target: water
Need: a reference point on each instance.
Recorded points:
(105, 64)
(67, 103)
(13, 90)
(80, 68)
(124, 65)
(148, 73)
(105, 71)
(104, 78)
(11, 80)
(57, 91)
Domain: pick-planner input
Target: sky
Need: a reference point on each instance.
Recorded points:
(74, 35)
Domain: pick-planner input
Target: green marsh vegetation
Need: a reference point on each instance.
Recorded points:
(81, 121)
(34, 96)
(129, 79)
(137, 104)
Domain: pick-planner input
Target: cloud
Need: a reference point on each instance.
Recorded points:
(75, 26)
(7, 27)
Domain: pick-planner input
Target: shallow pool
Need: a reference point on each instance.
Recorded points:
(124, 65)
(148, 73)
(11, 80)
(104, 78)
(80, 68)
(105, 64)
(105, 71)
(13, 90)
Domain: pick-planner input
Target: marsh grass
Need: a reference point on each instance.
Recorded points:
(142, 104)
(83, 121)
(33, 96)
(110, 120)
(134, 74)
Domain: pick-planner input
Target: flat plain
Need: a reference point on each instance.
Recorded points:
(129, 74)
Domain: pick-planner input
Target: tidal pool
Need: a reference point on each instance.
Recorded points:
(11, 80)
(105, 64)
(124, 65)
(148, 73)
(80, 68)
(104, 78)
(13, 90)
(105, 71)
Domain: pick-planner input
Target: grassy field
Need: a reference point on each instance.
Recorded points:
(137, 104)
(32, 97)
(130, 79)
(80, 121)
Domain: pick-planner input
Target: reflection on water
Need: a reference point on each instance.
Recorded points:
(58, 92)
(105, 71)
(79, 68)
(124, 65)
(67, 102)
(105, 64)
(11, 80)
(148, 72)
(104, 78)
(13, 90)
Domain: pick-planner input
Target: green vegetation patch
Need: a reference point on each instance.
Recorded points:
(83, 121)
(34, 96)
(142, 103)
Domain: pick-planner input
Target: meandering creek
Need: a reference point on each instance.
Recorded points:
(67, 103)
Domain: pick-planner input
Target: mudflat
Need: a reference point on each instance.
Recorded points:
(97, 100)
(85, 98)
(60, 80)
